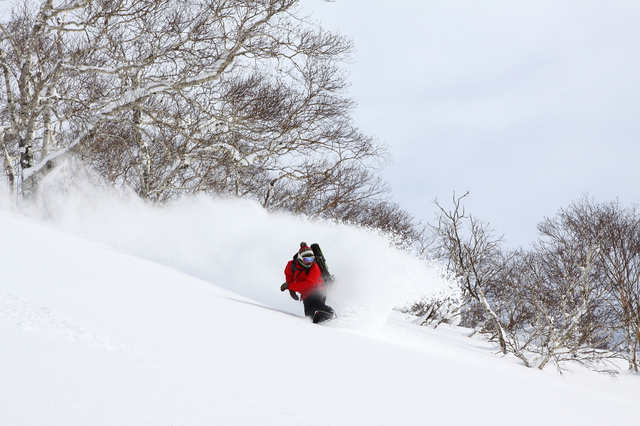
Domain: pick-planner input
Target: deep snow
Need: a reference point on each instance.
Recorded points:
(116, 313)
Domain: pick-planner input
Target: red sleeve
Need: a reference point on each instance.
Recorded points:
(288, 274)
(307, 282)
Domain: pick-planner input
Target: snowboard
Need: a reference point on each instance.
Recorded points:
(322, 316)
(322, 263)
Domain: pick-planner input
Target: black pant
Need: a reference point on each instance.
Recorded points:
(316, 302)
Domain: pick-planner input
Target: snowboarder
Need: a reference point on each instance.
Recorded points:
(303, 276)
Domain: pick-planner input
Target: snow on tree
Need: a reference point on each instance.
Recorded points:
(169, 96)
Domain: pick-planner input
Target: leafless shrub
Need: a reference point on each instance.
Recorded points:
(434, 311)
(572, 297)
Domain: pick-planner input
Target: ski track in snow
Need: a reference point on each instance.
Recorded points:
(26, 316)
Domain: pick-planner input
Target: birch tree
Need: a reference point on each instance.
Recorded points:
(30, 61)
(562, 289)
(169, 96)
(474, 257)
(568, 299)
(621, 257)
(615, 231)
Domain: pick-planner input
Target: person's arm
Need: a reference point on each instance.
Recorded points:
(288, 273)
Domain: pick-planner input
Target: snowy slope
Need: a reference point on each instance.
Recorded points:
(114, 313)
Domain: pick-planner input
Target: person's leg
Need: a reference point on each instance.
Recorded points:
(316, 302)
(323, 305)
(310, 306)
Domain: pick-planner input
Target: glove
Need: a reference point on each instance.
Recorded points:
(293, 294)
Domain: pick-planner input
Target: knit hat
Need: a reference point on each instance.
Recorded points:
(305, 252)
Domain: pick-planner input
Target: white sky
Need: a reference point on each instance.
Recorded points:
(527, 104)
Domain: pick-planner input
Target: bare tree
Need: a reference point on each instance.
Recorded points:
(620, 254)
(475, 258)
(558, 300)
(613, 234)
(562, 292)
(388, 217)
(236, 97)
(574, 296)
(30, 61)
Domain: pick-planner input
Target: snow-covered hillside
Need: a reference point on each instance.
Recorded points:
(116, 313)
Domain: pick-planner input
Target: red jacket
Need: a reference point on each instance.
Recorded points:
(303, 280)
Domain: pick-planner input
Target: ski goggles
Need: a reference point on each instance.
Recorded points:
(308, 260)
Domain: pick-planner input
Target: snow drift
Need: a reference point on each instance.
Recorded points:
(237, 245)
(113, 312)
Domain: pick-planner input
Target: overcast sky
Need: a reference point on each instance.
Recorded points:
(526, 104)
